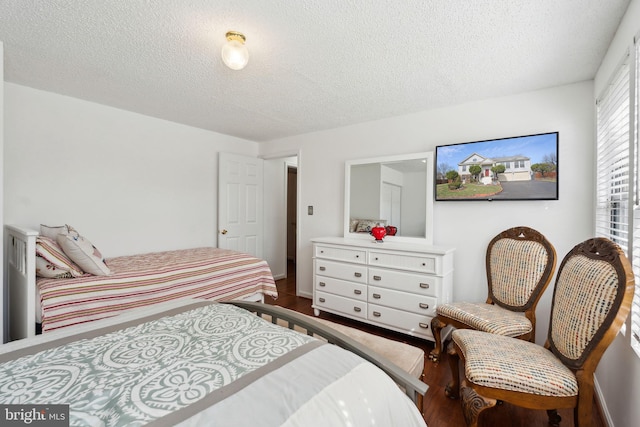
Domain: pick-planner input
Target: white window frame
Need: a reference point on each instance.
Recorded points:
(634, 113)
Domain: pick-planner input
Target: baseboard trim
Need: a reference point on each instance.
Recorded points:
(279, 276)
(602, 404)
(305, 295)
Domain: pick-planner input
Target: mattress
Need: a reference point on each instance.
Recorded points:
(141, 280)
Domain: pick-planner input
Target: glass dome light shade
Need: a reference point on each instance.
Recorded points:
(235, 54)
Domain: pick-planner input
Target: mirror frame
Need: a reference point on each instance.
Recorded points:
(428, 237)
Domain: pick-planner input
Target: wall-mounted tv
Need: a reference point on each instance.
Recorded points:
(516, 168)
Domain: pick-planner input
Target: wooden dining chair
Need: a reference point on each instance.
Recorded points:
(520, 263)
(591, 300)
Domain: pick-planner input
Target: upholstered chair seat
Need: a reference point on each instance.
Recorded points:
(501, 362)
(489, 318)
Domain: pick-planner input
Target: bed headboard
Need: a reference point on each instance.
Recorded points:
(20, 282)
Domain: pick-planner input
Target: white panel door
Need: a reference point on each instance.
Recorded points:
(240, 203)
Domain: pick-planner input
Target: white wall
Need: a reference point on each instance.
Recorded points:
(365, 191)
(128, 182)
(413, 205)
(618, 374)
(466, 226)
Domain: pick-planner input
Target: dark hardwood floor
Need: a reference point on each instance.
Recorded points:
(439, 411)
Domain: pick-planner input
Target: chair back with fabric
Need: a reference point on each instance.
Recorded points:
(520, 262)
(591, 300)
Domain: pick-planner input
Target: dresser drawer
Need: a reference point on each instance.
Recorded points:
(341, 287)
(414, 324)
(423, 263)
(339, 270)
(419, 304)
(341, 254)
(421, 284)
(347, 306)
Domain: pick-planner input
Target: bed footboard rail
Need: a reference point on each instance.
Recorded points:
(20, 281)
(414, 388)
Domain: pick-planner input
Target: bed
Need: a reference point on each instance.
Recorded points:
(133, 282)
(190, 363)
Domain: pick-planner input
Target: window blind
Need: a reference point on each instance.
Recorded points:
(613, 190)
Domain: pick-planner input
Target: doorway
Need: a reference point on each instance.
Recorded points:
(287, 287)
(292, 214)
(281, 212)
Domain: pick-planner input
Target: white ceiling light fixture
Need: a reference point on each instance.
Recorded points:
(234, 53)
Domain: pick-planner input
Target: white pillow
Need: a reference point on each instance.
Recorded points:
(83, 253)
(52, 232)
(365, 225)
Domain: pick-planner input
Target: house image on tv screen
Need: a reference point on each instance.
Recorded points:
(516, 168)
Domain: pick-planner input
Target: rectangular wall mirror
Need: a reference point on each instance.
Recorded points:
(394, 191)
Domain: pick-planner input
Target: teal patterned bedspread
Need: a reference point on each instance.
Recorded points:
(146, 371)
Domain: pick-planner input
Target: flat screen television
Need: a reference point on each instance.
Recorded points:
(516, 168)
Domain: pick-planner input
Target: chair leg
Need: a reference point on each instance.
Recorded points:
(554, 418)
(583, 411)
(452, 390)
(436, 329)
(473, 404)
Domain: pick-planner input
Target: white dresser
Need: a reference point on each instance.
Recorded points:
(393, 285)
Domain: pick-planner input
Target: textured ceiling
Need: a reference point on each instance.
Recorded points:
(314, 64)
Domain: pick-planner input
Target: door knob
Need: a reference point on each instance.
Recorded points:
(223, 231)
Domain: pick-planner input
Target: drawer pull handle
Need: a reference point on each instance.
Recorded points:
(424, 285)
(357, 256)
(323, 268)
(377, 277)
(424, 264)
(321, 252)
(423, 325)
(357, 274)
(423, 305)
(376, 296)
(322, 300)
(357, 291)
(377, 258)
(357, 309)
(322, 284)
(376, 314)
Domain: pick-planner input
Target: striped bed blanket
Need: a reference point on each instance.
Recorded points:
(141, 280)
